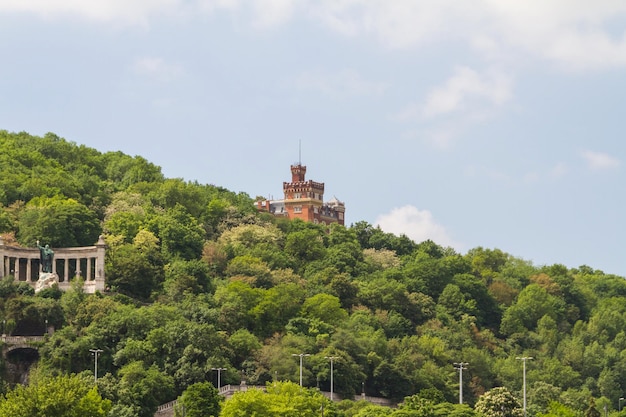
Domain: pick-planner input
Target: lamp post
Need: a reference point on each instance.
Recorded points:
(619, 404)
(332, 385)
(219, 376)
(95, 353)
(524, 359)
(301, 355)
(460, 366)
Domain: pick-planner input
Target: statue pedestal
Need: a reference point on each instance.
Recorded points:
(46, 280)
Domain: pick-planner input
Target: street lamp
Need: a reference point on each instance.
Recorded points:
(301, 355)
(619, 403)
(460, 366)
(219, 376)
(95, 353)
(524, 359)
(331, 358)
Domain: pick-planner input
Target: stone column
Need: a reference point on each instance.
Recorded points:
(28, 270)
(100, 249)
(16, 272)
(88, 276)
(66, 272)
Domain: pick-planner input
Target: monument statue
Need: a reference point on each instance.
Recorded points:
(46, 255)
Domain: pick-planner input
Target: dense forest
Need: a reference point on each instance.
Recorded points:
(198, 280)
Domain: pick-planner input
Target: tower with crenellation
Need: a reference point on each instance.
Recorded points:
(304, 200)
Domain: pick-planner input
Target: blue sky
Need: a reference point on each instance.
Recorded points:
(485, 123)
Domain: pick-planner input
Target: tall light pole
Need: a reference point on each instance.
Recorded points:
(619, 403)
(460, 366)
(302, 355)
(524, 359)
(332, 385)
(95, 353)
(219, 376)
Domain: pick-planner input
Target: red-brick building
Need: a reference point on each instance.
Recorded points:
(304, 200)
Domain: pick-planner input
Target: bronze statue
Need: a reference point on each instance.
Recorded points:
(46, 255)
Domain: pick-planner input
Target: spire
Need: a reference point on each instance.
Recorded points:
(298, 170)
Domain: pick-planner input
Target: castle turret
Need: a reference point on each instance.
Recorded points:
(304, 200)
(297, 172)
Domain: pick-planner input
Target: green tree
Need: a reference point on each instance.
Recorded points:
(499, 402)
(199, 400)
(324, 307)
(138, 386)
(61, 396)
(305, 245)
(187, 277)
(282, 399)
(134, 269)
(58, 222)
(180, 233)
(419, 407)
(591, 410)
(532, 304)
(556, 409)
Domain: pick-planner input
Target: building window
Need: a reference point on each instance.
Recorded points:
(341, 216)
(315, 221)
(315, 210)
(297, 209)
(297, 195)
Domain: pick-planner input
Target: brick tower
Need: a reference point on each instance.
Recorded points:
(304, 200)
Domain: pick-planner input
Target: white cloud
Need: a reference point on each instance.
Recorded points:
(574, 34)
(397, 24)
(467, 98)
(130, 12)
(465, 88)
(157, 68)
(559, 170)
(343, 83)
(599, 160)
(418, 225)
(268, 13)
(133, 12)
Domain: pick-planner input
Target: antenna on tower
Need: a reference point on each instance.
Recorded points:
(300, 152)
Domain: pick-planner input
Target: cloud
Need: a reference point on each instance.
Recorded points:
(418, 225)
(573, 34)
(397, 24)
(467, 98)
(467, 86)
(127, 12)
(269, 13)
(599, 160)
(343, 83)
(157, 68)
(135, 12)
(559, 170)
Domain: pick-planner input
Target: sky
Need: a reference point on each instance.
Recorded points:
(486, 123)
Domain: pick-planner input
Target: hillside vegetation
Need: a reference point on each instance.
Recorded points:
(197, 279)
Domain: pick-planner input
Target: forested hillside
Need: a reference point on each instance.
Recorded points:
(197, 279)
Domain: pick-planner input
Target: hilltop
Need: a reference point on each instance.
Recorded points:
(197, 279)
